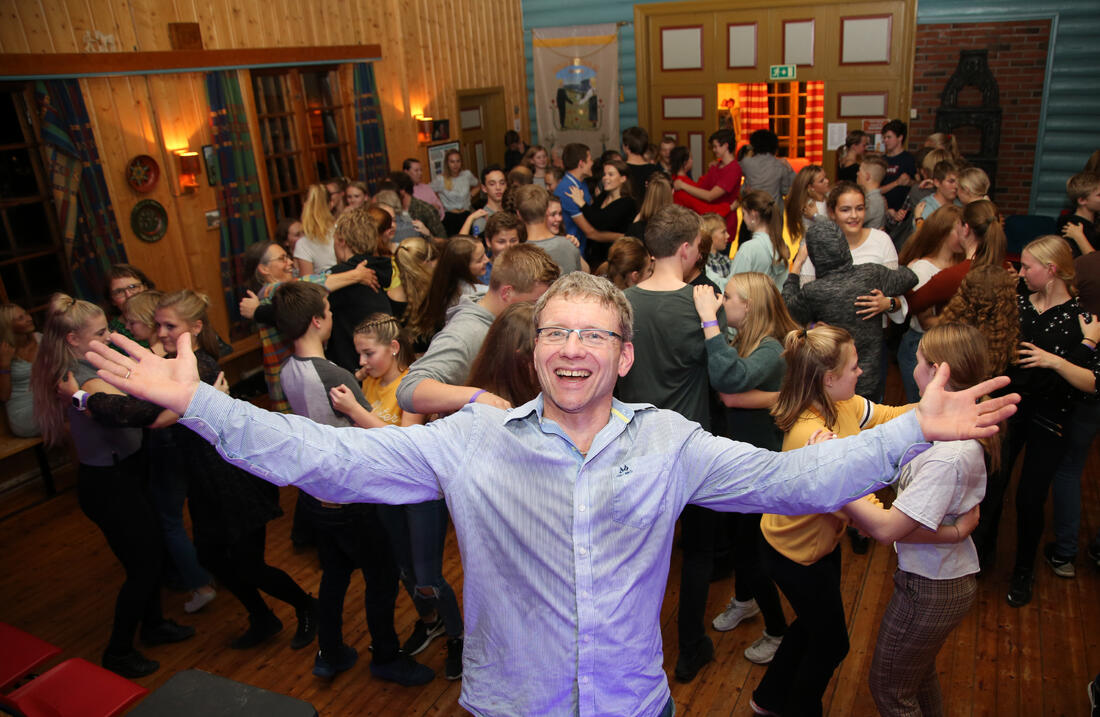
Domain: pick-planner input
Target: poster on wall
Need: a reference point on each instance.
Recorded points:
(577, 85)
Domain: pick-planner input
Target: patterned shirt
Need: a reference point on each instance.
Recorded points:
(567, 546)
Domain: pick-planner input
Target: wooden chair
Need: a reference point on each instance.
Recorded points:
(75, 687)
(22, 652)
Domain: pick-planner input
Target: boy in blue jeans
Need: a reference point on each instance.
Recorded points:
(349, 537)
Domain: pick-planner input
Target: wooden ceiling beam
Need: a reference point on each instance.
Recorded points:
(37, 66)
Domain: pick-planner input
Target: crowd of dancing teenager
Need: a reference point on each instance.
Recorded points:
(400, 305)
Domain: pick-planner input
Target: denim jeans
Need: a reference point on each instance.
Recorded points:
(907, 361)
(1081, 430)
(168, 491)
(418, 533)
(114, 498)
(351, 537)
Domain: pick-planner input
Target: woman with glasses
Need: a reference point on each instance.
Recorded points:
(123, 281)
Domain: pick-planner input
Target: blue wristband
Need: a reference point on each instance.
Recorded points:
(476, 394)
(709, 324)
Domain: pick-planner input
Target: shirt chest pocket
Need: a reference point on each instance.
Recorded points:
(639, 492)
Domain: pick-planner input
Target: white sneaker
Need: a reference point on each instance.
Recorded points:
(734, 613)
(198, 601)
(763, 650)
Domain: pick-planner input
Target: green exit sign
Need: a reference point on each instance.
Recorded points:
(782, 72)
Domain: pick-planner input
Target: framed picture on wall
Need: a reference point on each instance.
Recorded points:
(436, 153)
(210, 157)
(441, 129)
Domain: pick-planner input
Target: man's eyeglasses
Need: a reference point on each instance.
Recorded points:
(281, 257)
(592, 338)
(128, 289)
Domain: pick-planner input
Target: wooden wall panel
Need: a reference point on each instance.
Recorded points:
(430, 48)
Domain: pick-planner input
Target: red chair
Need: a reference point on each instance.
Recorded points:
(76, 688)
(22, 653)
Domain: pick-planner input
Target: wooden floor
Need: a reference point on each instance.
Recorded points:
(58, 580)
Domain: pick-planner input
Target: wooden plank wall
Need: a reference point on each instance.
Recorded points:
(430, 49)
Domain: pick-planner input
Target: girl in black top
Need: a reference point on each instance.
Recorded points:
(1057, 363)
(111, 477)
(230, 508)
(611, 212)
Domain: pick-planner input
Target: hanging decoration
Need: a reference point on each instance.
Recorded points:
(577, 85)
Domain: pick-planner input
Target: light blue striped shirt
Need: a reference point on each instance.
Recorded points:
(565, 555)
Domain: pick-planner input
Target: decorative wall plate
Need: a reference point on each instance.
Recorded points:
(149, 220)
(142, 173)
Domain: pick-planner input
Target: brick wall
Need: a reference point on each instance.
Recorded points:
(1017, 58)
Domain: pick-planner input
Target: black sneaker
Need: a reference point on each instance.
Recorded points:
(166, 632)
(259, 630)
(1020, 587)
(404, 671)
(1093, 552)
(453, 668)
(328, 666)
(691, 661)
(422, 635)
(307, 626)
(131, 665)
(1062, 567)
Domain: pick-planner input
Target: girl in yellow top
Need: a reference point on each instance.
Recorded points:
(802, 553)
(417, 532)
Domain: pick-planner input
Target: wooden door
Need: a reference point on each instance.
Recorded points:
(480, 127)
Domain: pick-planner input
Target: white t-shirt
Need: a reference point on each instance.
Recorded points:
(935, 488)
(457, 198)
(323, 256)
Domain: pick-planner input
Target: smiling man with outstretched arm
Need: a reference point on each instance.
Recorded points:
(564, 507)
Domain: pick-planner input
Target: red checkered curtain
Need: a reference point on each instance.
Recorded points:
(815, 121)
(754, 108)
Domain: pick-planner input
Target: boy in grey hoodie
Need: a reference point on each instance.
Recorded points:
(831, 298)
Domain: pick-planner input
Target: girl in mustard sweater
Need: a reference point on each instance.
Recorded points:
(818, 401)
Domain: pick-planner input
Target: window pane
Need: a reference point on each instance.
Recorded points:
(801, 126)
(783, 105)
(331, 133)
(771, 104)
(802, 104)
(10, 131)
(782, 126)
(286, 136)
(17, 175)
(46, 276)
(311, 84)
(335, 163)
(29, 226)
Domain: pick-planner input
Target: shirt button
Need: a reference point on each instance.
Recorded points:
(582, 507)
(584, 680)
(588, 638)
(584, 594)
(583, 551)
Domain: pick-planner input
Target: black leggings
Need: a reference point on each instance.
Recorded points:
(114, 498)
(241, 568)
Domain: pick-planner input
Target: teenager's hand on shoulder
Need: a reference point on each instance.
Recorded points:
(904, 180)
(573, 240)
(221, 383)
(678, 184)
(491, 399)
(342, 398)
(366, 276)
(707, 302)
(361, 373)
(820, 436)
(249, 304)
(67, 386)
(1090, 326)
(957, 415)
(420, 229)
(170, 383)
(919, 211)
(574, 192)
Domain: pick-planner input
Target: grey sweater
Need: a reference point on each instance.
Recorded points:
(451, 353)
(831, 297)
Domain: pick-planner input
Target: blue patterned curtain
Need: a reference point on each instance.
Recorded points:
(87, 220)
(370, 140)
(243, 221)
